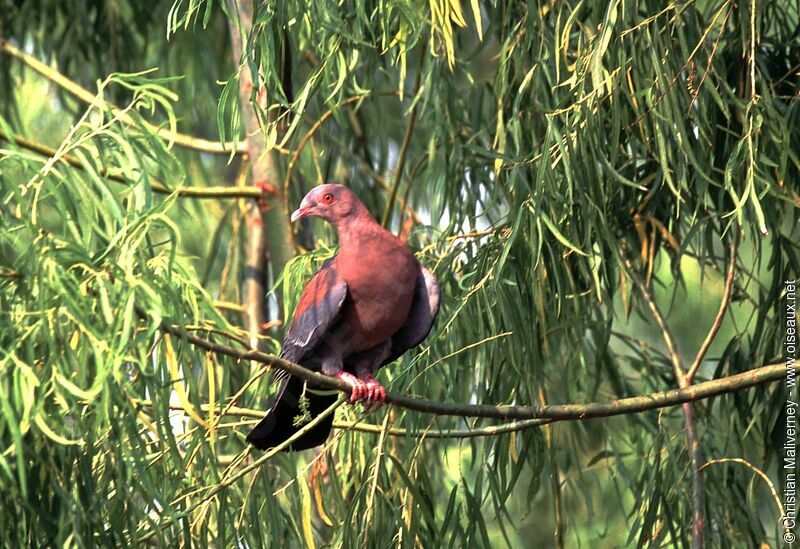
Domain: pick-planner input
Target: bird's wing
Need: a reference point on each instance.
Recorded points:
(420, 318)
(315, 313)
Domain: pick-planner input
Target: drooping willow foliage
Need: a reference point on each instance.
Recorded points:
(524, 149)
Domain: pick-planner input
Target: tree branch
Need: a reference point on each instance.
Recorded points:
(562, 412)
(557, 412)
(86, 96)
(684, 382)
(401, 160)
(226, 482)
(157, 186)
(490, 430)
(723, 308)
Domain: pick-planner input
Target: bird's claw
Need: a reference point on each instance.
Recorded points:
(358, 387)
(375, 394)
(368, 390)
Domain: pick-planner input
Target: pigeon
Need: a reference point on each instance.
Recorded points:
(364, 308)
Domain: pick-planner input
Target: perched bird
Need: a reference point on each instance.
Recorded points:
(363, 309)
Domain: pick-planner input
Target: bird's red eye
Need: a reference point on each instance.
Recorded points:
(328, 198)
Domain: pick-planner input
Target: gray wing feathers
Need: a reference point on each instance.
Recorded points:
(316, 312)
(420, 319)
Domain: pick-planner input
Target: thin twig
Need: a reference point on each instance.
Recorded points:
(228, 306)
(708, 69)
(187, 141)
(225, 483)
(684, 382)
(401, 159)
(157, 186)
(683, 67)
(723, 308)
(666, 333)
(757, 471)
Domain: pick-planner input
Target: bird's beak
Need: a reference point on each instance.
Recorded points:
(306, 208)
(299, 213)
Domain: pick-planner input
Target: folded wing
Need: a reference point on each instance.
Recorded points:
(316, 312)
(423, 312)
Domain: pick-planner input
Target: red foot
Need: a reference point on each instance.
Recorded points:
(375, 393)
(369, 390)
(359, 387)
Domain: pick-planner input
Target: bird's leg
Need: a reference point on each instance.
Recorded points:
(359, 390)
(375, 392)
(332, 366)
(366, 366)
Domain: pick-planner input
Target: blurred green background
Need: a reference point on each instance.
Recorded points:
(523, 149)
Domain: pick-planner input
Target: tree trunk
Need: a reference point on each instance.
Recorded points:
(269, 237)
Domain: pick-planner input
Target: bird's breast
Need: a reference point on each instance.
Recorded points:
(380, 289)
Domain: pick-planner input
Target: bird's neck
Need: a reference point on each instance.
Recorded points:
(359, 227)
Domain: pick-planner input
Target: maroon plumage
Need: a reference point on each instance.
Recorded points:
(364, 308)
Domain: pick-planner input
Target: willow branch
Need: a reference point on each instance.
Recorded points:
(684, 382)
(558, 412)
(226, 482)
(563, 412)
(157, 186)
(756, 471)
(401, 160)
(228, 306)
(666, 333)
(723, 308)
(186, 141)
(556, 478)
(364, 167)
(489, 430)
(698, 492)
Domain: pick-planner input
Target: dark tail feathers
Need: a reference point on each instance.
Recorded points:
(279, 424)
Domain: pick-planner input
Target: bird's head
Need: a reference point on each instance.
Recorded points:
(331, 202)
